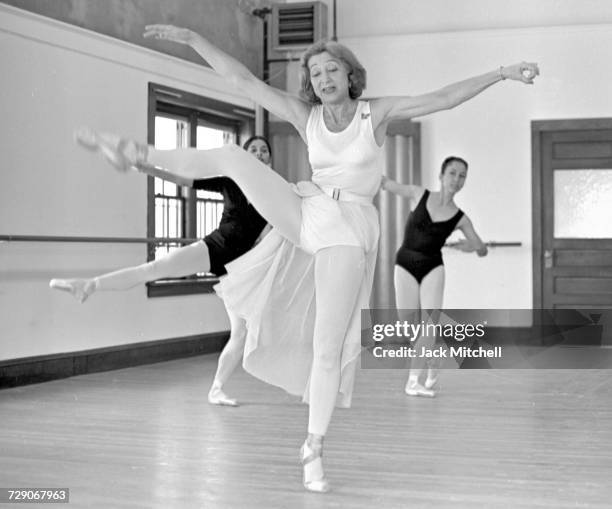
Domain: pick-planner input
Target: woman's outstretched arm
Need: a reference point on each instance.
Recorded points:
(386, 109)
(282, 104)
(406, 190)
(472, 241)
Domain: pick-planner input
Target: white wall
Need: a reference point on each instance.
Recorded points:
(56, 77)
(367, 18)
(363, 18)
(493, 131)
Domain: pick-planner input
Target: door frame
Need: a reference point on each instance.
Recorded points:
(538, 129)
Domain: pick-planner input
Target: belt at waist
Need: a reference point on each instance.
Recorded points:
(342, 195)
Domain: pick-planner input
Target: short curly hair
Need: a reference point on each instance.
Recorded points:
(356, 71)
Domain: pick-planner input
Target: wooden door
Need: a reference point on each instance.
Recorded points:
(572, 198)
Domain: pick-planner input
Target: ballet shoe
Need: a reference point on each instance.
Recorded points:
(218, 397)
(123, 157)
(313, 477)
(80, 289)
(431, 382)
(416, 389)
(86, 138)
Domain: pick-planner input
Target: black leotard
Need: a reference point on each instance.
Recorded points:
(239, 228)
(421, 251)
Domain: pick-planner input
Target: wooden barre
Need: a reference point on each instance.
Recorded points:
(150, 240)
(503, 244)
(492, 244)
(110, 240)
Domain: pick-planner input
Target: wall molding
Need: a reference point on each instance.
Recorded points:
(44, 368)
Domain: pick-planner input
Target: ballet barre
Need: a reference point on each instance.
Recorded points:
(153, 240)
(491, 244)
(109, 240)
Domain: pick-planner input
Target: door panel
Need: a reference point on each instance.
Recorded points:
(573, 237)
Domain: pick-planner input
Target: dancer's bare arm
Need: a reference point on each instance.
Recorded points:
(472, 241)
(406, 190)
(282, 104)
(386, 109)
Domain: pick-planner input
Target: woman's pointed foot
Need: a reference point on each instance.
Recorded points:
(87, 138)
(80, 289)
(217, 397)
(311, 459)
(121, 153)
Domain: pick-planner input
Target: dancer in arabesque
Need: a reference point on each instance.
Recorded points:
(239, 229)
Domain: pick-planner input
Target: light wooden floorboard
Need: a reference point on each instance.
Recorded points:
(145, 437)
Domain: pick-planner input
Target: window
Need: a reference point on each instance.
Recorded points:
(179, 119)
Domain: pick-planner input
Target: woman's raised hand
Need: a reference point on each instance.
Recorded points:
(525, 72)
(170, 33)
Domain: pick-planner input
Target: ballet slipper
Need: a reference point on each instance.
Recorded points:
(416, 389)
(123, 156)
(80, 289)
(430, 382)
(87, 138)
(217, 397)
(314, 477)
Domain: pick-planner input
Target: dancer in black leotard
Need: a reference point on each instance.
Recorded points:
(420, 252)
(419, 269)
(240, 228)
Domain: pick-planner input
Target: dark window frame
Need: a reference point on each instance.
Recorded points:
(197, 110)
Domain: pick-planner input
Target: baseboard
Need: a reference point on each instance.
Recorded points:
(30, 370)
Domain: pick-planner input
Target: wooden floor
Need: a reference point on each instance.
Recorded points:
(146, 438)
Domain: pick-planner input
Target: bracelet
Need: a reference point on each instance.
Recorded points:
(501, 72)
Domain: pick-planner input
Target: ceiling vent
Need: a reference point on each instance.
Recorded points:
(295, 26)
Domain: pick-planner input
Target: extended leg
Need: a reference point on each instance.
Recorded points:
(181, 262)
(269, 193)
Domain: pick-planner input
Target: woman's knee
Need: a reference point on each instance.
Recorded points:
(237, 338)
(327, 358)
(151, 271)
(238, 330)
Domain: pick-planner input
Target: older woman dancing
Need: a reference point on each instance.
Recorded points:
(305, 342)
